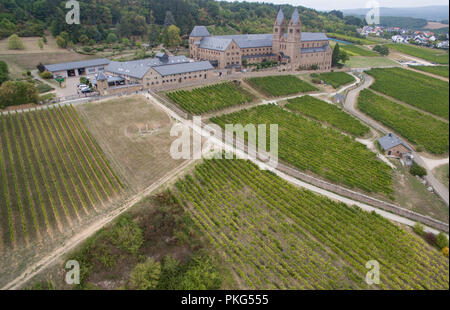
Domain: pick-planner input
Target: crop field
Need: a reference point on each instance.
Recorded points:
(52, 175)
(433, 55)
(211, 98)
(417, 127)
(335, 79)
(438, 70)
(328, 113)
(276, 236)
(282, 85)
(307, 145)
(419, 90)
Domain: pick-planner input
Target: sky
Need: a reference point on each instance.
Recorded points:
(327, 5)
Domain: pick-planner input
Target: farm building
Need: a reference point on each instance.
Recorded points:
(78, 68)
(393, 146)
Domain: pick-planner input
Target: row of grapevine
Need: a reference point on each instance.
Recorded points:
(52, 175)
(282, 85)
(419, 90)
(419, 128)
(211, 98)
(307, 145)
(274, 235)
(328, 113)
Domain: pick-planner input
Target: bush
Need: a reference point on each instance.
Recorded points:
(17, 93)
(46, 75)
(417, 170)
(419, 229)
(445, 251)
(145, 276)
(442, 241)
(127, 235)
(15, 43)
(43, 88)
(431, 238)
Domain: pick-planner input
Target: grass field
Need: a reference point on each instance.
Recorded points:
(355, 50)
(417, 127)
(419, 90)
(211, 98)
(370, 62)
(438, 70)
(282, 85)
(276, 236)
(442, 174)
(307, 145)
(355, 40)
(52, 175)
(335, 79)
(433, 55)
(328, 113)
(140, 158)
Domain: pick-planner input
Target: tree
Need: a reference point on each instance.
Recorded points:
(44, 39)
(145, 276)
(83, 39)
(173, 34)
(61, 42)
(111, 38)
(4, 73)
(335, 55)
(213, 8)
(383, 50)
(169, 20)
(15, 43)
(40, 44)
(441, 241)
(417, 170)
(343, 56)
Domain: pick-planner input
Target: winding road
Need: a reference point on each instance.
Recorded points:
(350, 106)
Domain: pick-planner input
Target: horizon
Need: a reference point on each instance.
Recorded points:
(322, 5)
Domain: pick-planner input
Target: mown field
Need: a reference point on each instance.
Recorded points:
(276, 236)
(53, 175)
(282, 85)
(211, 98)
(419, 90)
(417, 127)
(370, 62)
(438, 70)
(307, 145)
(433, 55)
(355, 50)
(327, 113)
(335, 79)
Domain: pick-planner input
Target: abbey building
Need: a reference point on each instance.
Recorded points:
(288, 44)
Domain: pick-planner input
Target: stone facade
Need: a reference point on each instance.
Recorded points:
(286, 45)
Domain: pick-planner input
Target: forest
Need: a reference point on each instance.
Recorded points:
(145, 19)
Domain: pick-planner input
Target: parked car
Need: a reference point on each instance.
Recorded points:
(81, 86)
(86, 90)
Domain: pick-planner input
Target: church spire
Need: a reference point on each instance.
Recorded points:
(280, 17)
(295, 17)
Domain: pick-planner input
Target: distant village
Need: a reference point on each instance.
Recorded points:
(399, 35)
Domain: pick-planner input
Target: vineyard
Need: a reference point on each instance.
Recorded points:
(416, 89)
(211, 98)
(417, 127)
(276, 236)
(438, 70)
(335, 79)
(282, 85)
(429, 54)
(354, 50)
(52, 175)
(355, 40)
(307, 145)
(328, 113)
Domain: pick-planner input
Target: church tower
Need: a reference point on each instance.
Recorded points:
(279, 30)
(294, 37)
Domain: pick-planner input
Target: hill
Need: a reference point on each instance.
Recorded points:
(434, 13)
